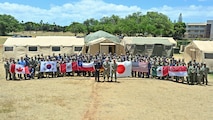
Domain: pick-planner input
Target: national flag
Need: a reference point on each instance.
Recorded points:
(75, 66)
(162, 71)
(12, 68)
(48, 66)
(124, 69)
(85, 66)
(140, 66)
(19, 69)
(65, 67)
(178, 71)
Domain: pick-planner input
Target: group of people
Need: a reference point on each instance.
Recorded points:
(197, 72)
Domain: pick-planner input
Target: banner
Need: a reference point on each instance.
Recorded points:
(85, 66)
(162, 71)
(140, 66)
(48, 66)
(19, 69)
(172, 71)
(75, 66)
(124, 69)
(178, 71)
(65, 67)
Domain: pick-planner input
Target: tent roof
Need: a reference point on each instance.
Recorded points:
(45, 41)
(149, 40)
(205, 46)
(101, 34)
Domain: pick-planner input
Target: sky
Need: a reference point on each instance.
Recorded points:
(64, 12)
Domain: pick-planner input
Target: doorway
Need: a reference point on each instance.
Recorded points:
(112, 49)
(158, 50)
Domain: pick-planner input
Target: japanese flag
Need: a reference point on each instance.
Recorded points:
(124, 69)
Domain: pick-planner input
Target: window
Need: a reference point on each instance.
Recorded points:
(208, 55)
(8, 49)
(167, 47)
(202, 31)
(78, 49)
(56, 49)
(33, 48)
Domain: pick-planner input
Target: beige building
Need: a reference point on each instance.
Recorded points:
(199, 30)
(195, 30)
(209, 29)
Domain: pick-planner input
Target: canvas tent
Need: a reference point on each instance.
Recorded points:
(103, 42)
(47, 45)
(201, 51)
(150, 46)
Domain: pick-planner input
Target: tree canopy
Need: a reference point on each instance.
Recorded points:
(8, 24)
(149, 24)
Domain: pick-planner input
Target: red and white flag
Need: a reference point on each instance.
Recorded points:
(162, 71)
(19, 69)
(85, 66)
(74, 66)
(124, 69)
(48, 66)
(65, 67)
(178, 71)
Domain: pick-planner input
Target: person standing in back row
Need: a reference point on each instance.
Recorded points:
(205, 74)
(97, 66)
(7, 70)
(106, 66)
(114, 70)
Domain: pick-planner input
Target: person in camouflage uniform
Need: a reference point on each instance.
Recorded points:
(205, 70)
(189, 73)
(193, 73)
(154, 70)
(114, 66)
(7, 70)
(199, 74)
(106, 72)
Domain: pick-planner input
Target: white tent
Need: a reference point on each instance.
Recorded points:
(201, 51)
(46, 45)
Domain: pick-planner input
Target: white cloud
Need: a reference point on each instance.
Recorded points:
(85, 9)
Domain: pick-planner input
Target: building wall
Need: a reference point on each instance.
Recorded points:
(210, 28)
(195, 30)
(199, 30)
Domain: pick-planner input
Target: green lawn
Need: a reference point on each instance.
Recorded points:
(211, 76)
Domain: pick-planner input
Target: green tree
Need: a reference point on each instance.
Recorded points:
(76, 28)
(90, 25)
(179, 30)
(158, 24)
(8, 24)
